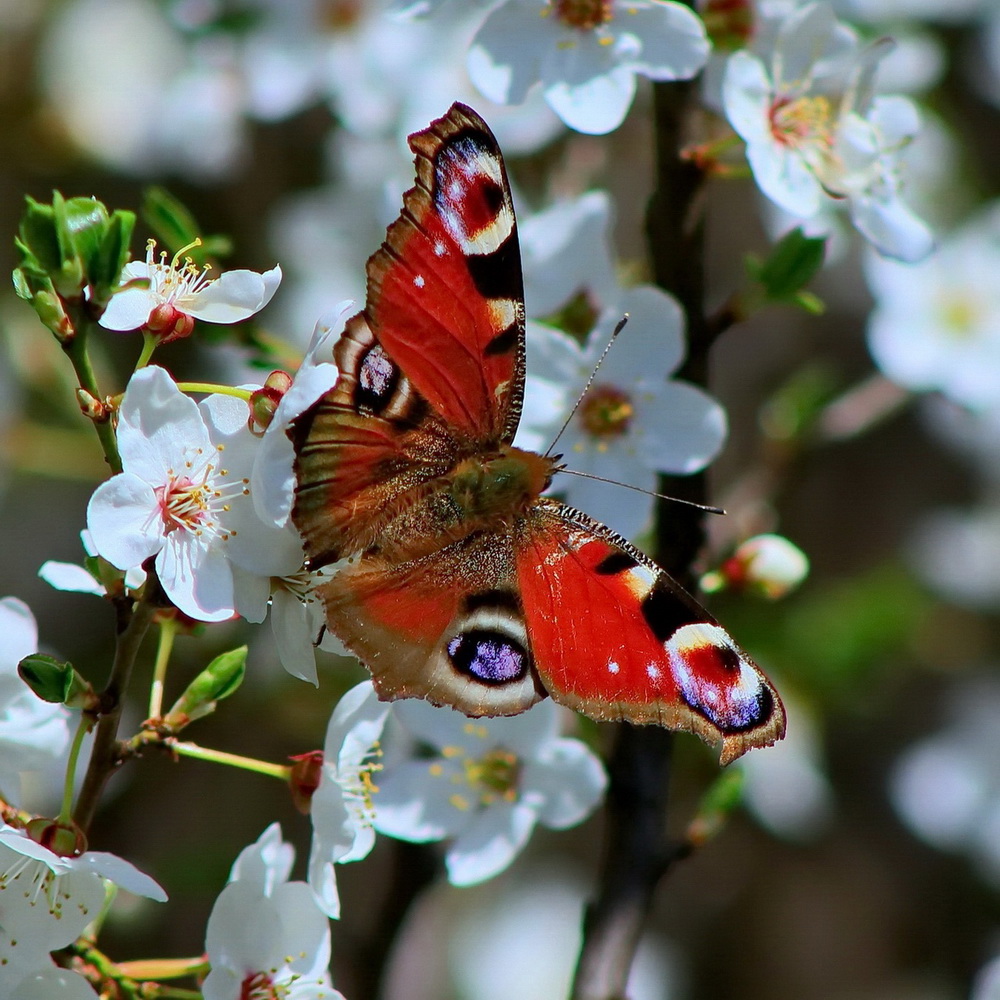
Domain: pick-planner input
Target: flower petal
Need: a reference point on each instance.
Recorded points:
(489, 843)
(129, 309)
(234, 296)
(124, 874)
(124, 521)
(669, 40)
(293, 635)
(69, 577)
(565, 781)
(594, 106)
(505, 54)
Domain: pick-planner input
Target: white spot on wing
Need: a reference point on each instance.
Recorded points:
(439, 248)
(639, 580)
(418, 280)
(653, 671)
(613, 667)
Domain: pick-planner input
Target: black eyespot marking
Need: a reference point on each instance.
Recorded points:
(497, 275)
(664, 614)
(733, 715)
(493, 195)
(617, 562)
(505, 599)
(488, 656)
(378, 378)
(503, 343)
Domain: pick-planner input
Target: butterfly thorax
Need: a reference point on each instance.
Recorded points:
(501, 486)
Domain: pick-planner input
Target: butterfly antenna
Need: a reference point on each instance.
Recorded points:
(638, 489)
(590, 381)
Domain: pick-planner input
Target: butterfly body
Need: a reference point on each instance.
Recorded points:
(468, 586)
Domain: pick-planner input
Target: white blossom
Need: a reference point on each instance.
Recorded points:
(265, 935)
(184, 497)
(482, 783)
(342, 809)
(48, 899)
(585, 55)
(34, 733)
(180, 288)
(936, 324)
(815, 130)
(634, 421)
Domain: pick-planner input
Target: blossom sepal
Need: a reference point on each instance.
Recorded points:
(55, 682)
(218, 680)
(61, 837)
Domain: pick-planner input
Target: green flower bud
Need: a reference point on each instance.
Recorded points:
(217, 681)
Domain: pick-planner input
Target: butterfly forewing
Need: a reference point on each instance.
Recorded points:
(445, 292)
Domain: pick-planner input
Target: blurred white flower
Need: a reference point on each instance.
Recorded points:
(957, 550)
(342, 810)
(946, 788)
(34, 734)
(815, 130)
(519, 938)
(634, 421)
(936, 324)
(265, 935)
(49, 982)
(482, 783)
(179, 292)
(784, 786)
(585, 55)
(986, 985)
(566, 252)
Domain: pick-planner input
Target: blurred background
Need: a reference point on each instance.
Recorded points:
(866, 862)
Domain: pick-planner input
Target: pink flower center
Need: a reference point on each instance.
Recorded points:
(606, 411)
(193, 504)
(260, 986)
(801, 121)
(584, 14)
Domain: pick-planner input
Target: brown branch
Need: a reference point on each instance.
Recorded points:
(638, 851)
(131, 626)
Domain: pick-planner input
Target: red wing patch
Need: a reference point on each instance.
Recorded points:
(614, 637)
(447, 627)
(445, 293)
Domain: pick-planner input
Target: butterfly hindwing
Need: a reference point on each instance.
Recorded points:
(644, 650)
(447, 627)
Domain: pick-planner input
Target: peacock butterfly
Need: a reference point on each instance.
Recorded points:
(469, 587)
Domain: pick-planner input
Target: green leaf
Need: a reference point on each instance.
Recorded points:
(720, 800)
(793, 262)
(84, 221)
(39, 241)
(171, 222)
(49, 678)
(112, 255)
